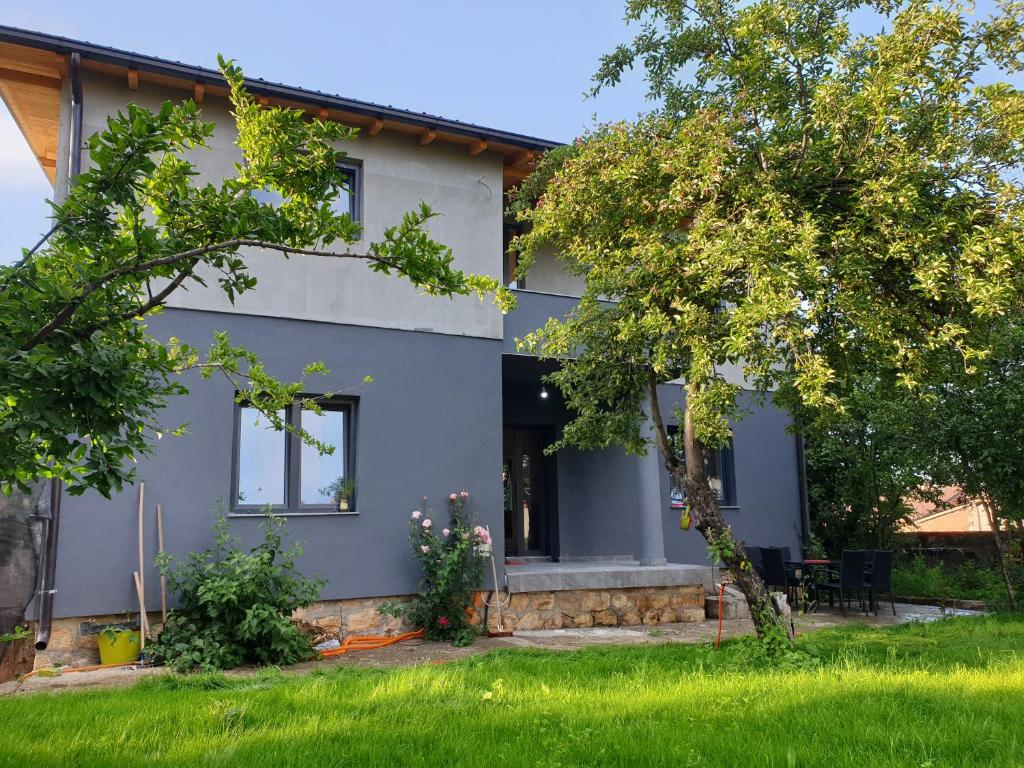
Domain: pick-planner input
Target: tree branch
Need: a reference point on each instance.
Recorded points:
(194, 254)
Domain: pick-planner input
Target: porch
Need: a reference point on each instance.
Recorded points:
(599, 593)
(546, 576)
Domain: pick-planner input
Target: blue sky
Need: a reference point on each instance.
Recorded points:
(521, 66)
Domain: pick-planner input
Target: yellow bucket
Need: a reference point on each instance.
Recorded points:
(119, 646)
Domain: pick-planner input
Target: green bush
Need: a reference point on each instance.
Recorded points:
(969, 581)
(236, 606)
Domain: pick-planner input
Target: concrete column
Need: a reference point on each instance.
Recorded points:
(649, 503)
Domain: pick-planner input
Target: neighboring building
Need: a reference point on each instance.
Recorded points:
(452, 405)
(952, 511)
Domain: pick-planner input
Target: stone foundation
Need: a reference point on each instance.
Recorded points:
(600, 608)
(73, 640)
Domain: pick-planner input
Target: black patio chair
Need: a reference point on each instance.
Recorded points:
(879, 578)
(776, 572)
(850, 580)
(756, 559)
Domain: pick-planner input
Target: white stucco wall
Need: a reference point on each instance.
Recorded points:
(397, 175)
(547, 275)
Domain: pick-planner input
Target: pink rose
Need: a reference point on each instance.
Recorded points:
(445, 532)
(482, 534)
(442, 621)
(426, 523)
(452, 497)
(416, 515)
(424, 549)
(464, 494)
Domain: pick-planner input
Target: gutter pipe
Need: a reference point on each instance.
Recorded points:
(805, 512)
(48, 569)
(48, 553)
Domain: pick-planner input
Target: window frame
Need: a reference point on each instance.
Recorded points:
(292, 466)
(725, 468)
(355, 168)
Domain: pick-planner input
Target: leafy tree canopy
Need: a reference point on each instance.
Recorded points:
(81, 381)
(807, 202)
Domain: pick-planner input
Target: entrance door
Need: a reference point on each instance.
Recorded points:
(526, 498)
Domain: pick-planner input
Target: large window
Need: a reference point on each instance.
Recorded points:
(276, 467)
(721, 471)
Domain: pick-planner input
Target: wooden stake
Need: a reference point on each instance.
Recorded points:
(143, 620)
(160, 544)
(140, 575)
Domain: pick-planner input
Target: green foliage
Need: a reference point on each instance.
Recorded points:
(82, 381)
(913, 577)
(20, 632)
(339, 488)
(452, 561)
(807, 205)
(236, 606)
(864, 464)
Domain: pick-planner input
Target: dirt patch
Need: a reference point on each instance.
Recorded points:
(16, 658)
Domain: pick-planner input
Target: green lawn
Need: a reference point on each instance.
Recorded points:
(944, 694)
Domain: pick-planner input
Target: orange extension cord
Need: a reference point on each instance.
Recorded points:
(89, 668)
(721, 599)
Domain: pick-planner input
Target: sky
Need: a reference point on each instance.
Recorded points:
(520, 66)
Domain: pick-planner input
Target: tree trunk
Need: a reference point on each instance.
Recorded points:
(707, 518)
(1004, 566)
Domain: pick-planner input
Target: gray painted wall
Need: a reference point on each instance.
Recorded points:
(767, 484)
(430, 423)
(597, 490)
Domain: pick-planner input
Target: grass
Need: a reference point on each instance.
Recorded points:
(969, 581)
(944, 694)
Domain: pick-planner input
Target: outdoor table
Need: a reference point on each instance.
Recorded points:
(813, 568)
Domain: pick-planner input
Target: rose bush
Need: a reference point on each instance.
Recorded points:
(452, 565)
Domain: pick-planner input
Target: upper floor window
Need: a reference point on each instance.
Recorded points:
(721, 471)
(276, 467)
(349, 199)
(510, 231)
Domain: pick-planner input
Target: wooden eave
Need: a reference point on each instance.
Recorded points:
(31, 75)
(30, 83)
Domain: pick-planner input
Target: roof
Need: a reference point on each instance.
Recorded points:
(941, 499)
(518, 148)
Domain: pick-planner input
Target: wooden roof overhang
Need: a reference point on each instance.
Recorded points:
(33, 66)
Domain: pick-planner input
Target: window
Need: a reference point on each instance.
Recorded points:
(721, 470)
(348, 199)
(509, 232)
(276, 467)
(350, 196)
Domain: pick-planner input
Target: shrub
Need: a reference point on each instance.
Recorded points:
(452, 561)
(969, 581)
(236, 606)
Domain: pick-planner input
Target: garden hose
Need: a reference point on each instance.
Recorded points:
(368, 643)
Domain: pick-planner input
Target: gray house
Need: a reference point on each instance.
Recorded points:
(453, 405)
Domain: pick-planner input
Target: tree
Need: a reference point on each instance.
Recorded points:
(865, 463)
(976, 435)
(82, 382)
(806, 201)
